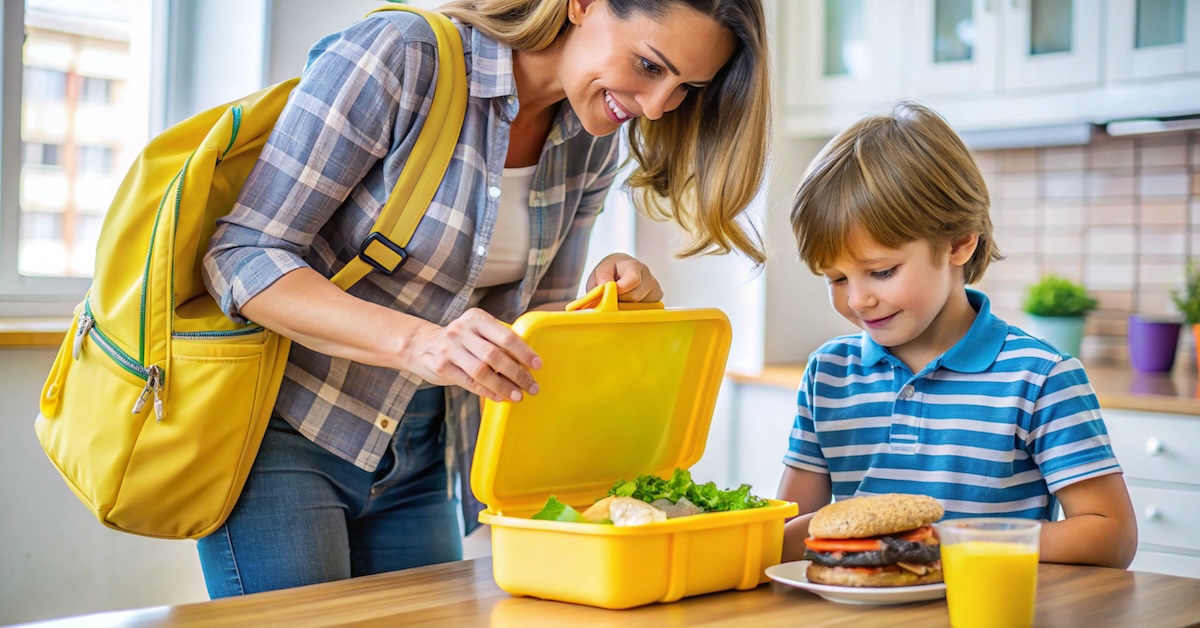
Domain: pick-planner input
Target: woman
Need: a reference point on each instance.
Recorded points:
(340, 488)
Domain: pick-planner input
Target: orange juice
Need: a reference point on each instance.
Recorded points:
(990, 583)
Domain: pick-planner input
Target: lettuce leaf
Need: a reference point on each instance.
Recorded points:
(707, 496)
(555, 510)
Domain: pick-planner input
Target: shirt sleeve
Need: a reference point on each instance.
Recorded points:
(804, 452)
(564, 274)
(361, 87)
(1066, 436)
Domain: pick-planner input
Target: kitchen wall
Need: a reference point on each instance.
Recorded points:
(56, 559)
(1120, 214)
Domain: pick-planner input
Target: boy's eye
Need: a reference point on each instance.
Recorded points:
(833, 280)
(884, 274)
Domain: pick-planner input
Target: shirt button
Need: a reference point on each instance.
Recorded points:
(511, 99)
(480, 251)
(383, 424)
(908, 391)
(494, 192)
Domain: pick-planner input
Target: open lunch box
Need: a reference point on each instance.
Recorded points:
(626, 389)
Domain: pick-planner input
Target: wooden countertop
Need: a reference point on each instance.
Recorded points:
(32, 332)
(1116, 387)
(464, 594)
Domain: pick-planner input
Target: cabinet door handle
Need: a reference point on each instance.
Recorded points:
(1154, 446)
(1152, 513)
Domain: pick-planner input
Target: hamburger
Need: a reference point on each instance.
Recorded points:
(875, 541)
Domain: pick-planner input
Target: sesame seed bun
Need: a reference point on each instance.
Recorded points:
(896, 577)
(874, 515)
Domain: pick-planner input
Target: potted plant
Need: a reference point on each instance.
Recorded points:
(1188, 301)
(1056, 309)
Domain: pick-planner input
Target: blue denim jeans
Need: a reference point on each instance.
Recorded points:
(307, 516)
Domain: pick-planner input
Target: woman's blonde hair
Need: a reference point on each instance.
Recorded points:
(700, 165)
(900, 177)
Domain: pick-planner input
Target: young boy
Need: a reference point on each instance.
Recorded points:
(937, 396)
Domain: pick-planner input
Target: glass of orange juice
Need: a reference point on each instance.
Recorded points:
(990, 567)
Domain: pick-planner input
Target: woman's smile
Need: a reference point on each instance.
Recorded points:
(617, 113)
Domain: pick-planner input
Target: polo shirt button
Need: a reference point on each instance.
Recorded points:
(511, 99)
(480, 250)
(494, 192)
(908, 391)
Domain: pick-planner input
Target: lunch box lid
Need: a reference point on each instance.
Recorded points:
(625, 389)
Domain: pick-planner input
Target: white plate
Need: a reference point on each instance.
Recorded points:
(793, 574)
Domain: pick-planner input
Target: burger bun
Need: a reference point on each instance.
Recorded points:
(844, 577)
(874, 515)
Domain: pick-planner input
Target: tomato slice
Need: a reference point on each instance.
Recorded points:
(920, 534)
(864, 545)
(842, 545)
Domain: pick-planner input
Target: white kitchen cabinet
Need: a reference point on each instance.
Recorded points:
(980, 46)
(1153, 38)
(838, 52)
(1051, 43)
(762, 420)
(1160, 455)
(954, 46)
(1049, 68)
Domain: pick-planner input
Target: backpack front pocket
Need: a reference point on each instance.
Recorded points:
(195, 461)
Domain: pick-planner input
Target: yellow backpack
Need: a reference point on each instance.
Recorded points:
(157, 402)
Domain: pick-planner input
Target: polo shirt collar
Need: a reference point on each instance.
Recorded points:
(977, 350)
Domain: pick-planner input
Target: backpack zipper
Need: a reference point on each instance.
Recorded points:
(236, 110)
(153, 386)
(206, 335)
(150, 254)
(153, 374)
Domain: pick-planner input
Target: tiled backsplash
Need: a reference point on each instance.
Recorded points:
(1122, 215)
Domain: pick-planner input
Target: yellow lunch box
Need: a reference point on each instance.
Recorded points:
(626, 389)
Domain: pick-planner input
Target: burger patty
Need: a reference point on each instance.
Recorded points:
(894, 551)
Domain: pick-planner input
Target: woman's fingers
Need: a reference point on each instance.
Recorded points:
(634, 280)
(636, 283)
(483, 356)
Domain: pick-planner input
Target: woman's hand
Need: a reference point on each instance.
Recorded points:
(634, 280)
(478, 353)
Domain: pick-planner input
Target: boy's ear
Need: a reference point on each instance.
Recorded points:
(962, 249)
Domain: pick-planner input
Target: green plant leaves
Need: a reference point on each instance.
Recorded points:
(1188, 299)
(1058, 296)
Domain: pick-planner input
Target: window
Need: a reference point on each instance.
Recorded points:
(83, 100)
(96, 89)
(97, 159)
(41, 154)
(43, 85)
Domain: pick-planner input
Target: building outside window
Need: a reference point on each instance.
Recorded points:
(84, 112)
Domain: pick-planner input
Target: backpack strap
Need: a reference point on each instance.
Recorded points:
(383, 250)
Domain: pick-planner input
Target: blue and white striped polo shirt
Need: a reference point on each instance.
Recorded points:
(993, 427)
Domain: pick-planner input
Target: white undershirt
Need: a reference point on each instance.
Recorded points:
(508, 254)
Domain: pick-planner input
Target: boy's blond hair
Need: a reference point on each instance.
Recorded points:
(900, 177)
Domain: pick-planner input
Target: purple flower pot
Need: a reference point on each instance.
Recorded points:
(1152, 344)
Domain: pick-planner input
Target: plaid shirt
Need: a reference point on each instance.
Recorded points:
(324, 176)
